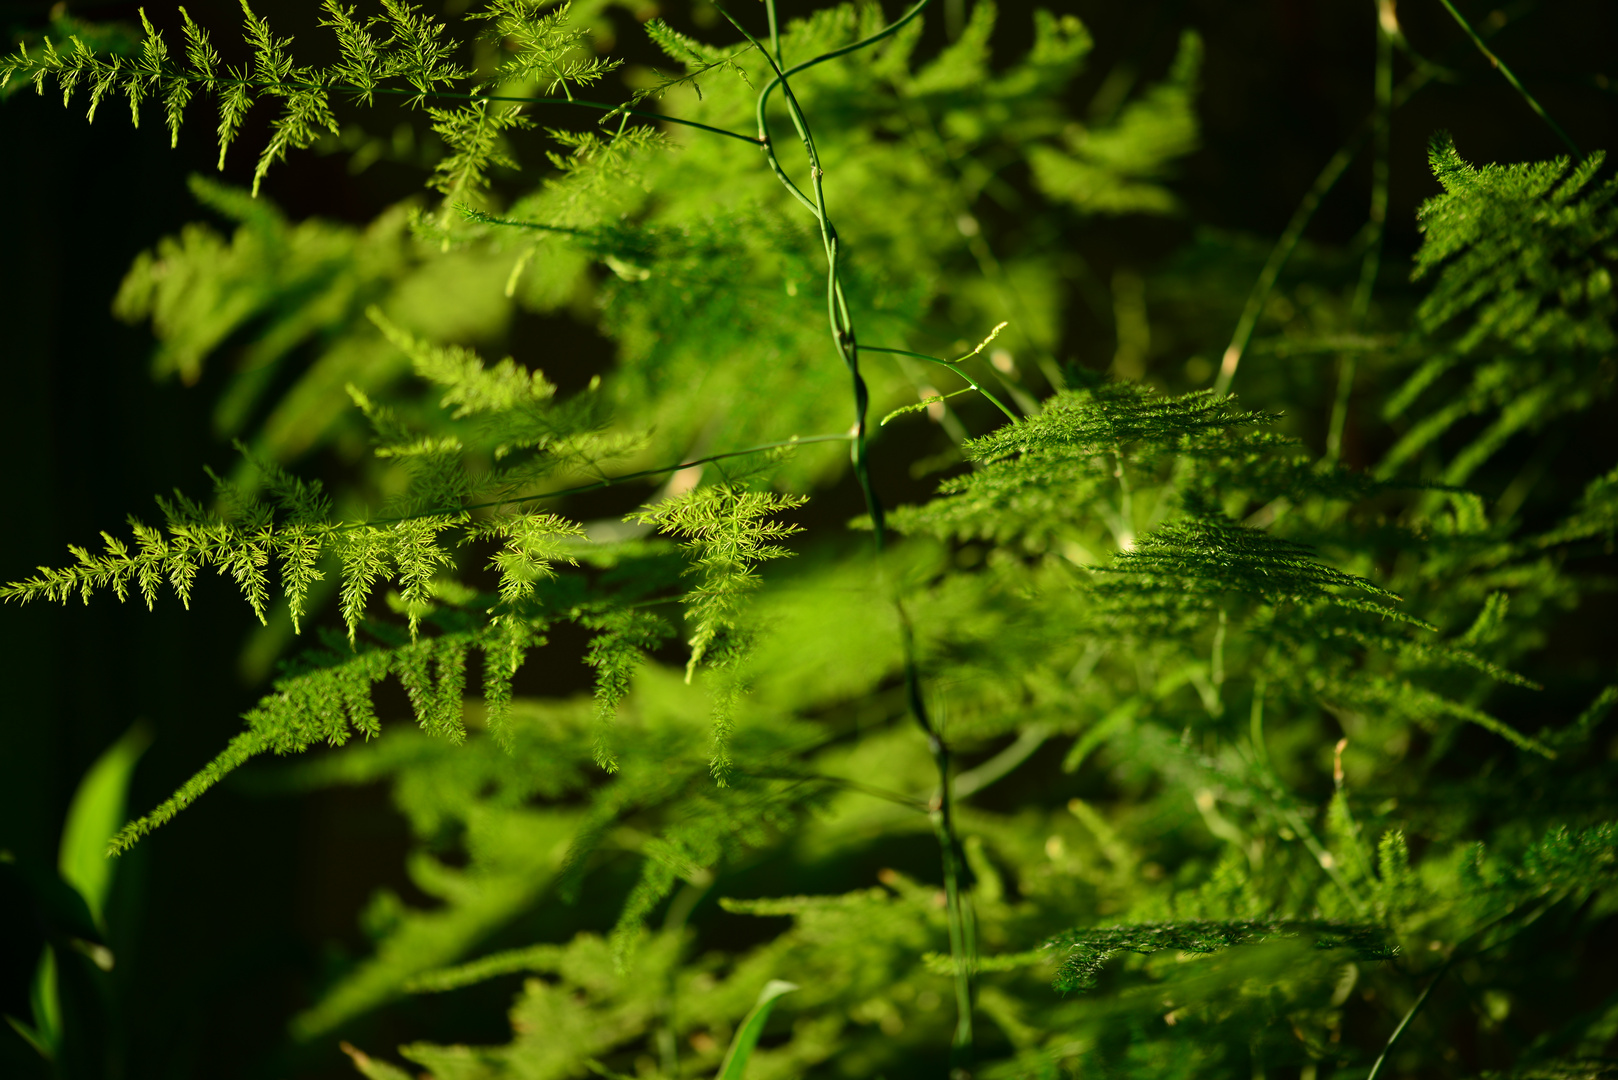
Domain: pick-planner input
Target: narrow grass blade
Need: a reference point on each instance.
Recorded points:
(741, 1047)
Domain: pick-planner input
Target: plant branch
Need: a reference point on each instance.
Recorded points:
(952, 365)
(1500, 66)
(962, 943)
(1387, 29)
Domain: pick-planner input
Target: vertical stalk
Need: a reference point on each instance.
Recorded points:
(957, 907)
(1278, 259)
(1387, 26)
(775, 34)
(846, 342)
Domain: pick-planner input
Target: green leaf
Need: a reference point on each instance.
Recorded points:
(96, 814)
(734, 1066)
(45, 1035)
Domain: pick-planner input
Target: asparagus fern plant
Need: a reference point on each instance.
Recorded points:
(1155, 675)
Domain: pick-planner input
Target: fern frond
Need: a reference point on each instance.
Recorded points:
(622, 640)
(1125, 417)
(416, 49)
(1038, 474)
(1596, 513)
(327, 703)
(1522, 303)
(1118, 168)
(1087, 951)
(531, 958)
(469, 385)
(473, 133)
(533, 543)
(699, 61)
(728, 532)
(362, 65)
(544, 49)
(1203, 554)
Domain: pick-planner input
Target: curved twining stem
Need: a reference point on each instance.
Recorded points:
(962, 943)
(817, 205)
(842, 326)
(887, 31)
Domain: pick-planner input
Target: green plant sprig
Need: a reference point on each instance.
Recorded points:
(953, 365)
(413, 52)
(242, 548)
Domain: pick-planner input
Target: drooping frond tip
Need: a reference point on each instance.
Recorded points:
(402, 52)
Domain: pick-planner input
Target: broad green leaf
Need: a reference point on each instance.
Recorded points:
(96, 814)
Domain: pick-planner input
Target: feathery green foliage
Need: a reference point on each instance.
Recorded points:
(1144, 674)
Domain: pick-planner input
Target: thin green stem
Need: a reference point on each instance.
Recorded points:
(898, 798)
(606, 483)
(1125, 532)
(1339, 407)
(976, 779)
(764, 139)
(962, 938)
(1324, 182)
(1305, 211)
(1512, 79)
(1382, 127)
(581, 103)
(481, 217)
(951, 364)
(887, 31)
(1387, 27)
(775, 32)
(1255, 723)
(1421, 999)
(962, 935)
(1534, 907)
